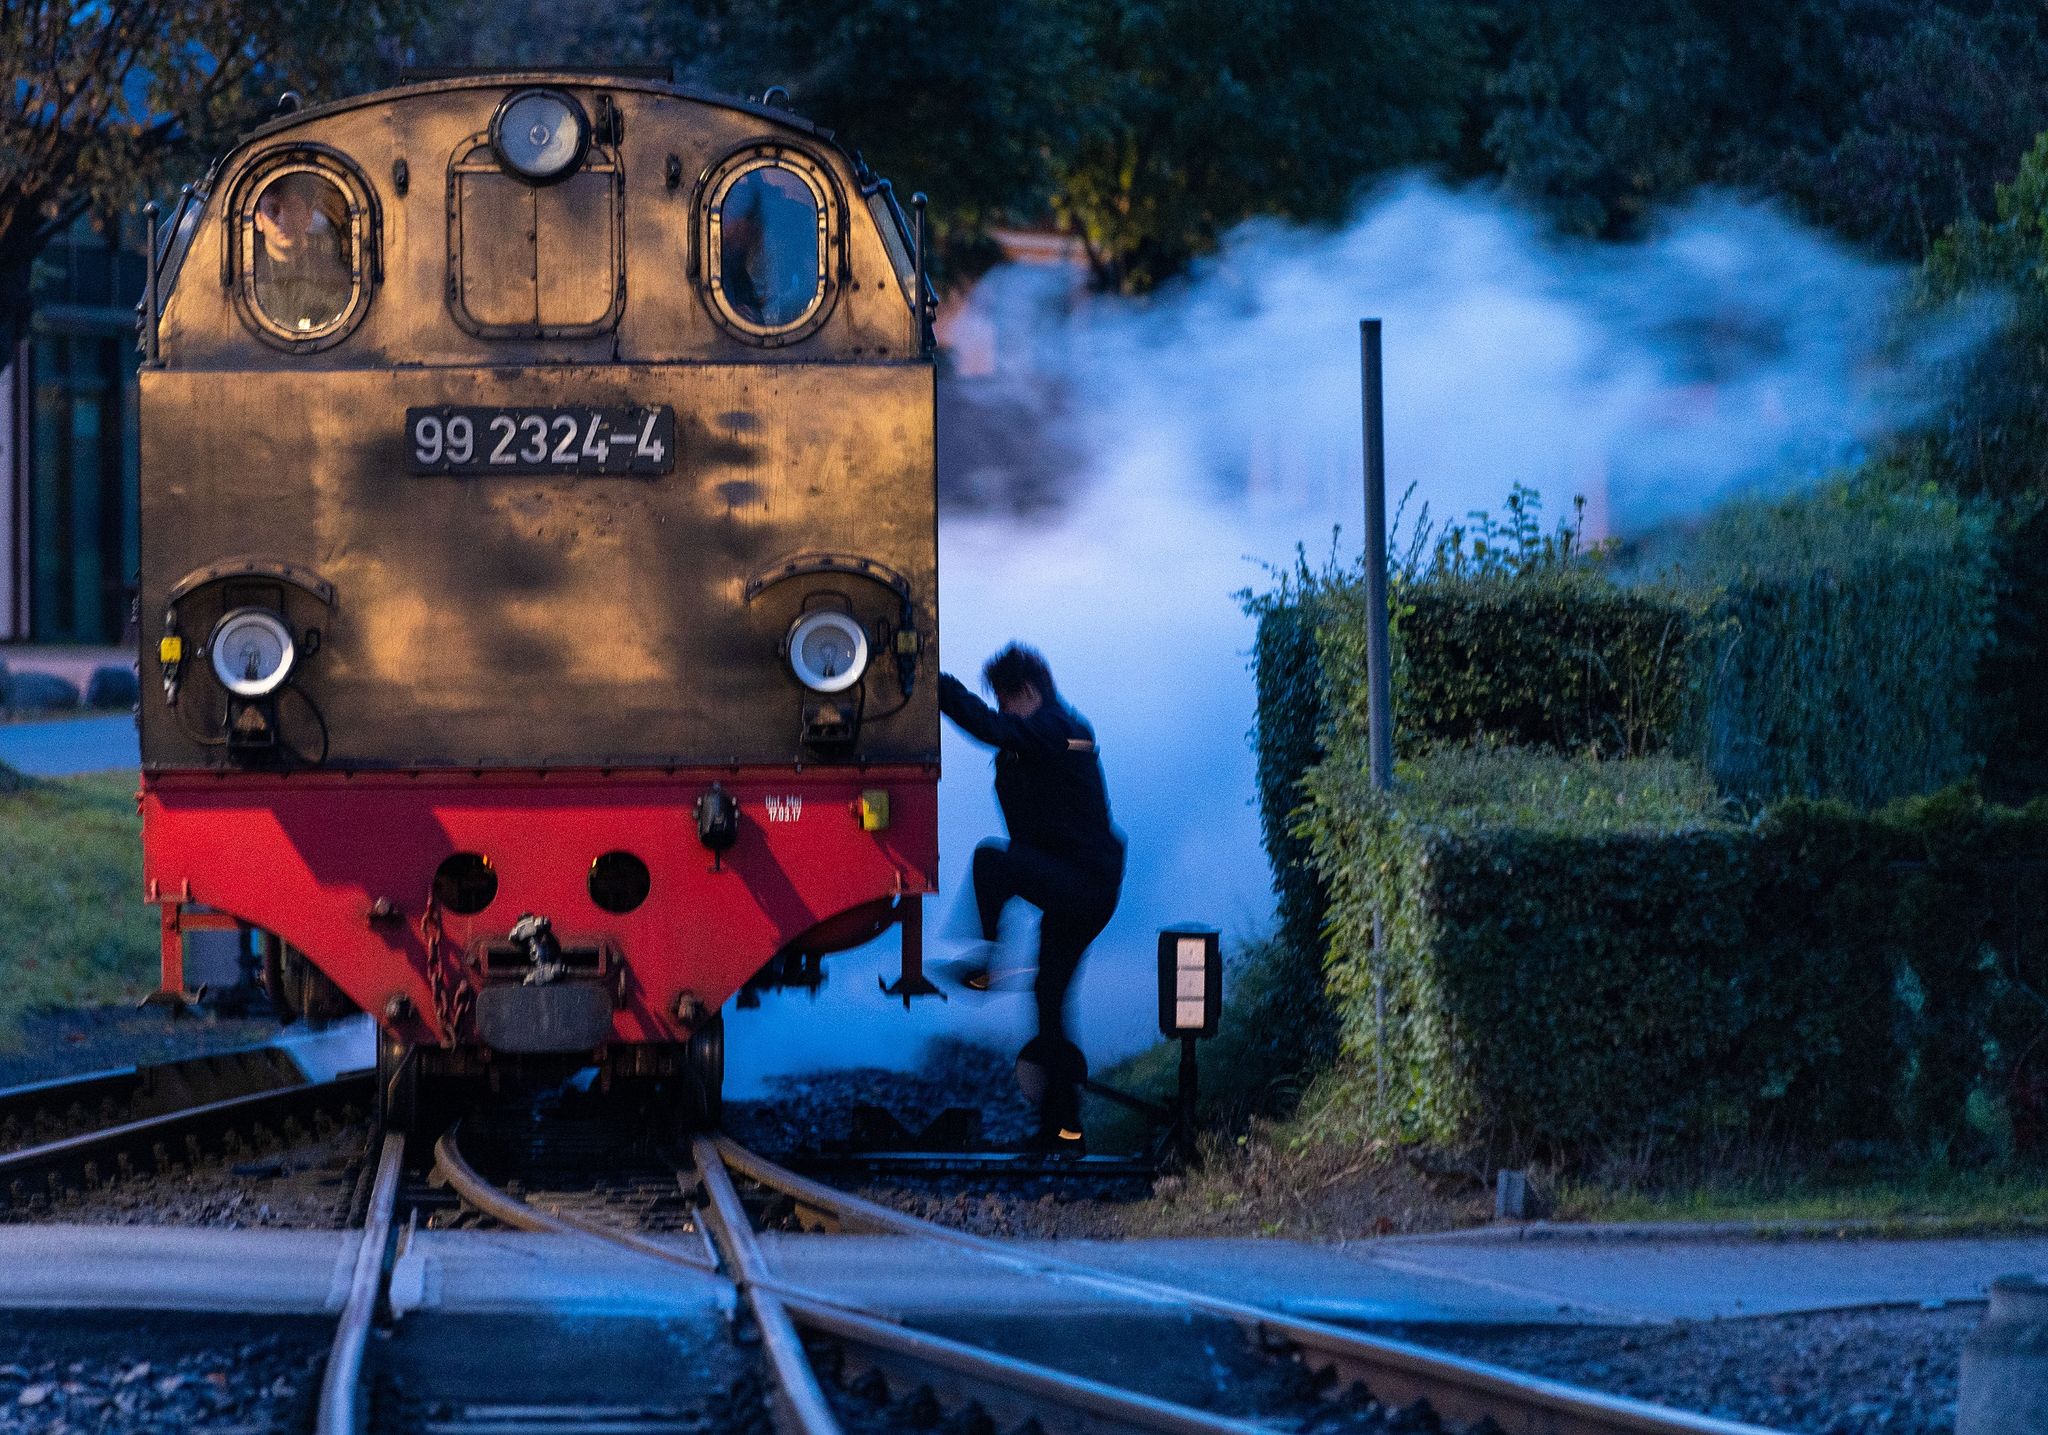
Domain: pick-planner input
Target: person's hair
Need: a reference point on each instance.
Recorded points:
(1009, 671)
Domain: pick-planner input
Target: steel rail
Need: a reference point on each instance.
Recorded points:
(1395, 1372)
(1011, 1387)
(144, 1142)
(802, 1407)
(165, 1085)
(509, 1210)
(1101, 1406)
(341, 1384)
(801, 1399)
(1025, 1388)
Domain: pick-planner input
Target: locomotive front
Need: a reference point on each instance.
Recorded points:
(539, 565)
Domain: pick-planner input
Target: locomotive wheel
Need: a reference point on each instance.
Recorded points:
(703, 1076)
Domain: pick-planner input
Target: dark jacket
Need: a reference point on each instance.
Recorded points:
(1048, 778)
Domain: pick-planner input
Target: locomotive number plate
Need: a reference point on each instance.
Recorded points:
(569, 438)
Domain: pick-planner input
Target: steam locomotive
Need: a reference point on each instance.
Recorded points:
(539, 568)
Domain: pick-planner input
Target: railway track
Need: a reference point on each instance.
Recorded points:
(860, 1346)
(150, 1119)
(859, 1343)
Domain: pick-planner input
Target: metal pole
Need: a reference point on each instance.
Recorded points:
(1379, 686)
(1184, 1102)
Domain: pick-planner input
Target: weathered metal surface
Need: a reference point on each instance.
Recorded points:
(310, 856)
(665, 319)
(556, 1017)
(543, 619)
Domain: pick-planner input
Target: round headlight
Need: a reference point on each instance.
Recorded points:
(828, 651)
(252, 652)
(540, 135)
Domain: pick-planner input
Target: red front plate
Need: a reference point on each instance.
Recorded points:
(341, 867)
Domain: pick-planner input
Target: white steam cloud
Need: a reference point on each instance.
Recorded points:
(1219, 423)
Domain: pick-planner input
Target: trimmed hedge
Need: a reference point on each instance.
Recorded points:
(1852, 625)
(1563, 659)
(1501, 631)
(1583, 954)
(1288, 742)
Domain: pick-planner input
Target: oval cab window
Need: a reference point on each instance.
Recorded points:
(770, 229)
(304, 256)
(303, 233)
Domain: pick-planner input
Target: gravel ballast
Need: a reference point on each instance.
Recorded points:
(1833, 1373)
(227, 1375)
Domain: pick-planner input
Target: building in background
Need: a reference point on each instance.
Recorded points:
(69, 444)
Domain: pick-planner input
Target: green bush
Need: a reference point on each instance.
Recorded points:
(1289, 743)
(1565, 660)
(1852, 622)
(1580, 954)
(1501, 630)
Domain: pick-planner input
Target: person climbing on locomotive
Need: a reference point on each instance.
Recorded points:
(1065, 856)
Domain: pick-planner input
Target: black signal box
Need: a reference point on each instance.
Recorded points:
(1190, 981)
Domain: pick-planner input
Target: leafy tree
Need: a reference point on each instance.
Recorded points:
(1938, 100)
(1991, 441)
(1884, 119)
(1194, 115)
(105, 98)
(1605, 109)
(962, 100)
(537, 34)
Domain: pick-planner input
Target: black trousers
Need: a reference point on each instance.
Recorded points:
(1077, 903)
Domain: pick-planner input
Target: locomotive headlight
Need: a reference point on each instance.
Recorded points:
(252, 652)
(828, 651)
(540, 135)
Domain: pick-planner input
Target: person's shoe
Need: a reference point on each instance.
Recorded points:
(972, 969)
(1058, 1143)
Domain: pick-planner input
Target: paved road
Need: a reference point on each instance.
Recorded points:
(70, 745)
(1392, 1281)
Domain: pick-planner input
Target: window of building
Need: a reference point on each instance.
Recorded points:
(770, 230)
(71, 468)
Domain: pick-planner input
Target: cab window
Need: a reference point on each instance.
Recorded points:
(304, 256)
(303, 232)
(769, 235)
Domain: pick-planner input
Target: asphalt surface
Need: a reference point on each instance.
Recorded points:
(65, 747)
(1392, 1281)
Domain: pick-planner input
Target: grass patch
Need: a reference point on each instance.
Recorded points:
(73, 927)
(1321, 1172)
(1988, 1197)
